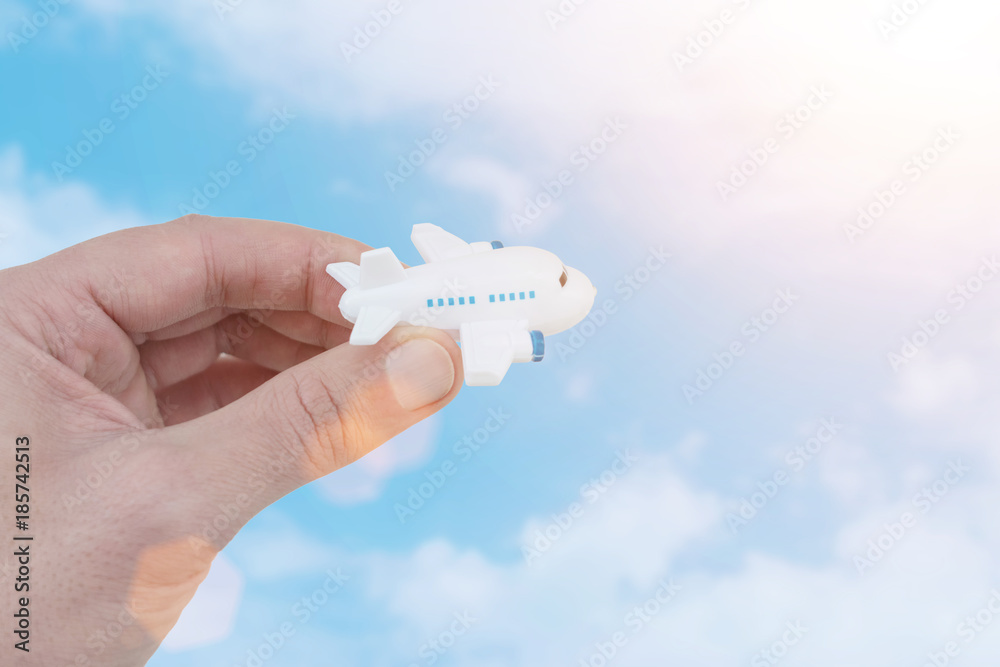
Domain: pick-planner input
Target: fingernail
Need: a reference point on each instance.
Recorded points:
(420, 372)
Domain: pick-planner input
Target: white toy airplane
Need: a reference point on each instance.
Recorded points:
(499, 302)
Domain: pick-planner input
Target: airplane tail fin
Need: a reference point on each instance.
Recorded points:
(379, 268)
(345, 273)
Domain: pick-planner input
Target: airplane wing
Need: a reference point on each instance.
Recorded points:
(434, 244)
(489, 348)
(373, 323)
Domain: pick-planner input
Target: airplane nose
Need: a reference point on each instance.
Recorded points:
(581, 285)
(576, 299)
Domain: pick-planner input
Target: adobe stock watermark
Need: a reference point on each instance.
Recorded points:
(599, 316)
(426, 315)
(122, 107)
(796, 460)
(35, 22)
(454, 117)
(66, 336)
(247, 151)
(436, 647)
(779, 648)
(928, 329)
(913, 170)
(125, 622)
(239, 509)
(545, 537)
(752, 331)
(580, 161)
(634, 622)
(101, 469)
(899, 17)
(786, 127)
(922, 503)
(369, 31)
(563, 12)
(968, 630)
(462, 452)
(303, 611)
(713, 28)
(223, 8)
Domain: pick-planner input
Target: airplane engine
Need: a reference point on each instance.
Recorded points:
(527, 345)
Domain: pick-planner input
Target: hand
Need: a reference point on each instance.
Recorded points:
(167, 378)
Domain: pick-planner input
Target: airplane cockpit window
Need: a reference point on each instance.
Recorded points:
(562, 279)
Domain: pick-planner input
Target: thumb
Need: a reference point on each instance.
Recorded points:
(307, 422)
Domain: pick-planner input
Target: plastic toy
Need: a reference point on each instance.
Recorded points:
(499, 303)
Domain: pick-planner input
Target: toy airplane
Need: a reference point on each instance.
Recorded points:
(498, 302)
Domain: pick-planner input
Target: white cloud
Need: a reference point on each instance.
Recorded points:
(929, 385)
(39, 217)
(580, 387)
(505, 187)
(691, 447)
(364, 479)
(581, 591)
(264, 546)
(687, 129)
(211, 615)
(852, 473)
(620, 546)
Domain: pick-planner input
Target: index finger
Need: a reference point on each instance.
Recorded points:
(162, 274)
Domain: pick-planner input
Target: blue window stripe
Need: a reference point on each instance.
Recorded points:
(451, 301)
(502, 297)
(493, 298)
(511, 296)
(521, 296)
(430, 302)
(461, 300)
(531, 294)
(472, 300)
(440, 302)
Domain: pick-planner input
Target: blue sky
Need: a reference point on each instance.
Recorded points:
(667, 516)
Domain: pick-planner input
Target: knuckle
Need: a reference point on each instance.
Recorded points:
(316, 414)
